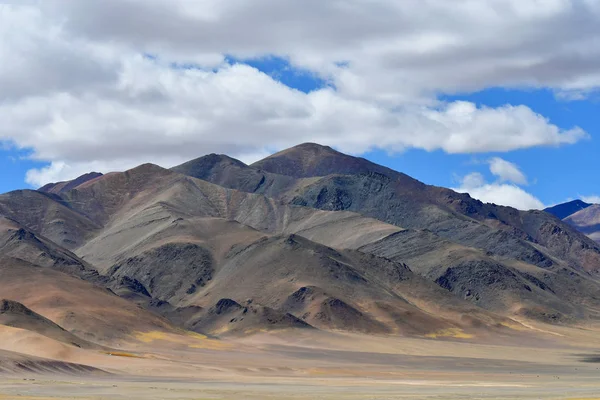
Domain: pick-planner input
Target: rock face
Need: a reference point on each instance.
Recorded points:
(308, 238)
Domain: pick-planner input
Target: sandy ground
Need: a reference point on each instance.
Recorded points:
(557, 364)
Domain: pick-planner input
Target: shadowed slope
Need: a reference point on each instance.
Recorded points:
(48, 215)
(587, 221)
(172, 242)
(86, 310)
(187, 242)
(329, 180)
(562, 211)
(18, 364)
(16, 315)
(62, 187)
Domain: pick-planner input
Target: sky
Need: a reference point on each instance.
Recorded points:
(497, 98)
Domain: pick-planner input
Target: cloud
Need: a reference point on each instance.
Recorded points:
(506, 194)
(593, 199)
(507, 171)
(98, 85)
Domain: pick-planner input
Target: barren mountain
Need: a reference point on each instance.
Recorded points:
(307, 238)
(329, 180)
(61, 187)
(587, 221)
(562, 211)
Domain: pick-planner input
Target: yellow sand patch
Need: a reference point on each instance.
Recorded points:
(121, 354)
(514, 326)
(455, 333)
(191, 339)
(149, 337)
(195, 335)
(211, 344)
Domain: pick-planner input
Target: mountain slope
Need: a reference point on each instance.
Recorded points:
(48, 215)
(234, 174)
(185, 247)
(361, 248)
(329, 180)
(562, 211)
(16, 315)
(61, 187)
(311, 159)
(587, 221)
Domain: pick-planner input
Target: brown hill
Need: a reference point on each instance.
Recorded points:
(16, 315)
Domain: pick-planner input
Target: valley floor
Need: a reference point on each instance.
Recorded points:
(318, 365)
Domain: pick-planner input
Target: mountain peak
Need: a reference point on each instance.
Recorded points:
(312, 159)
(562, 211)
(209, 166)
(61, 187)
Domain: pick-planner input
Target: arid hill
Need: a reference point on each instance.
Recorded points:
(308, 238)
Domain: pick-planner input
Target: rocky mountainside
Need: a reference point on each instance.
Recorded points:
(308, 238)
(329, 180)
(181, 247)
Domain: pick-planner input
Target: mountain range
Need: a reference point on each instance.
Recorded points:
(582, 216)
(306, 239)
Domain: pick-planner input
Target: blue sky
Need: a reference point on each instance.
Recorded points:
(499, 102)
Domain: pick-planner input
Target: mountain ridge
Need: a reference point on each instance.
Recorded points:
(178, 242)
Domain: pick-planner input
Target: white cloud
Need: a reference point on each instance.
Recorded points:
(75, 88)
(593, 199)
(506, 194)
(507, 171)
(472, 181)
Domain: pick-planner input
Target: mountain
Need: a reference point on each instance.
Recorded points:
(329, 180)
(182, 246)
(587, 221)
(562, 211)
(39, 275)
(61, 187)
(308, 238)
(310, 159)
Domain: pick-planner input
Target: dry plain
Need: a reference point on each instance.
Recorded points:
(535, 362)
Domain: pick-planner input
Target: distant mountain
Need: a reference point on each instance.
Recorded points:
(587, 221)
(562, 211)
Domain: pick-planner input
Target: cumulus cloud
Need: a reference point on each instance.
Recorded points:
(500, 192)
(99, 85)
(507, 171)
